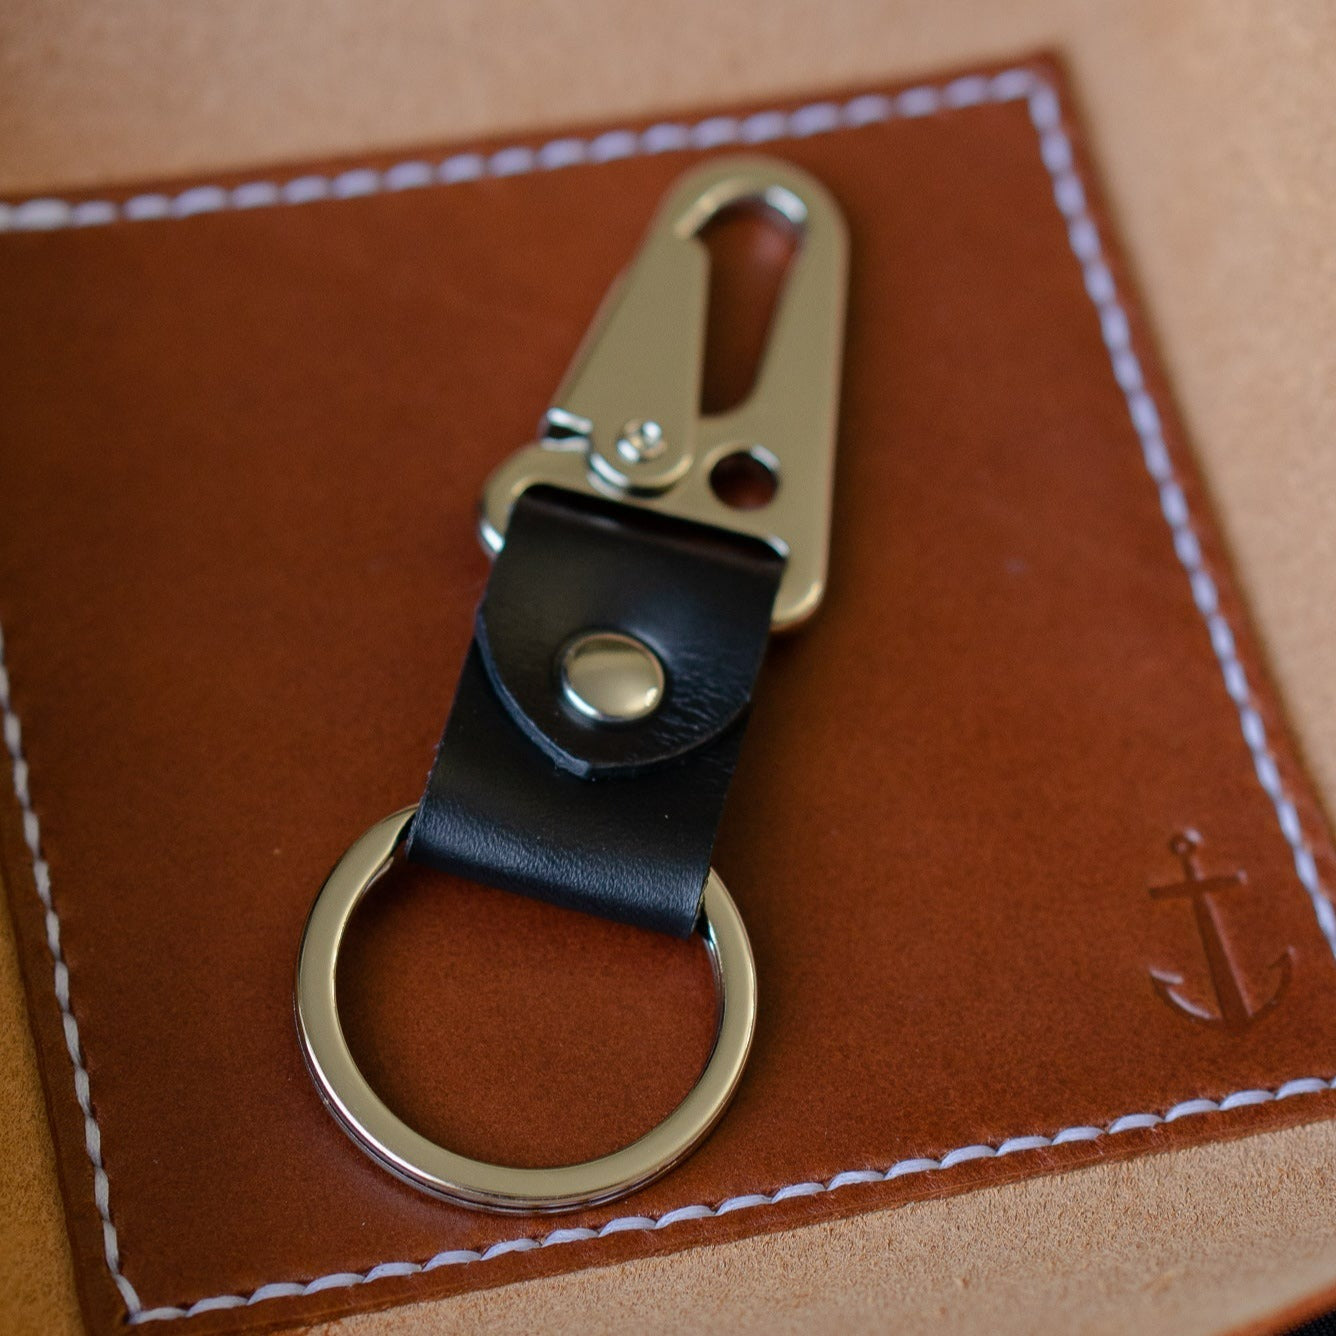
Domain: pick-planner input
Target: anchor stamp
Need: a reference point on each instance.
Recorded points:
(1233, 1009)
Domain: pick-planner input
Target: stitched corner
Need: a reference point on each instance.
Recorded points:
(818, 118)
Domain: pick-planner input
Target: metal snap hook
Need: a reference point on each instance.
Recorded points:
(625, 423)
(495, 1187)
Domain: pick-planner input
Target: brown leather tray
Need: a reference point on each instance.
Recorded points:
(236, 577)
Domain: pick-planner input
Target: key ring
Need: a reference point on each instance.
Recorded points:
(494, 1187)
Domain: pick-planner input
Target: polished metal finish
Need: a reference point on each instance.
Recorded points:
(641, 366)
(611, 678)
(389, 1140)
(640, 440)
(641, 461)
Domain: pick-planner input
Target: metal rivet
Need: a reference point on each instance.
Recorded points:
(640, 439)
(611, 678)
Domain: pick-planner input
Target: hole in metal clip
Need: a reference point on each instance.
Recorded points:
(746, 479)
(751, 247)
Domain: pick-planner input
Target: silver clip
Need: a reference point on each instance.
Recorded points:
(626, 421)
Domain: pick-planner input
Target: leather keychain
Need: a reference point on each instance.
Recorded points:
(598, 717)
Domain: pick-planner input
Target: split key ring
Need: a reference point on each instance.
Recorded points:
(475, 1183)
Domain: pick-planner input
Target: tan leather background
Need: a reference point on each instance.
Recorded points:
(1265, 383)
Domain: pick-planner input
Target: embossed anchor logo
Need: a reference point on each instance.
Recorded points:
(1234, 1013)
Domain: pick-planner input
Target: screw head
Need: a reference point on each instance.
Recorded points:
(641, 439)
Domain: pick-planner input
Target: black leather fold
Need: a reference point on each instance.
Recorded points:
(700, 598)
(615, 819)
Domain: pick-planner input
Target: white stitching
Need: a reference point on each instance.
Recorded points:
(1132, 1122)
(816, 118)
(41, 876)
(1056, 152)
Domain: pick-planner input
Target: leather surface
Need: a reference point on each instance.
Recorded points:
(613, 820)
(955, 932)
(701, 599)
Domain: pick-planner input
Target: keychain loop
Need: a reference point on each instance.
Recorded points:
(494, 1187)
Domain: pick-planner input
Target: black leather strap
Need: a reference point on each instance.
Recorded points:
(615, 819)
